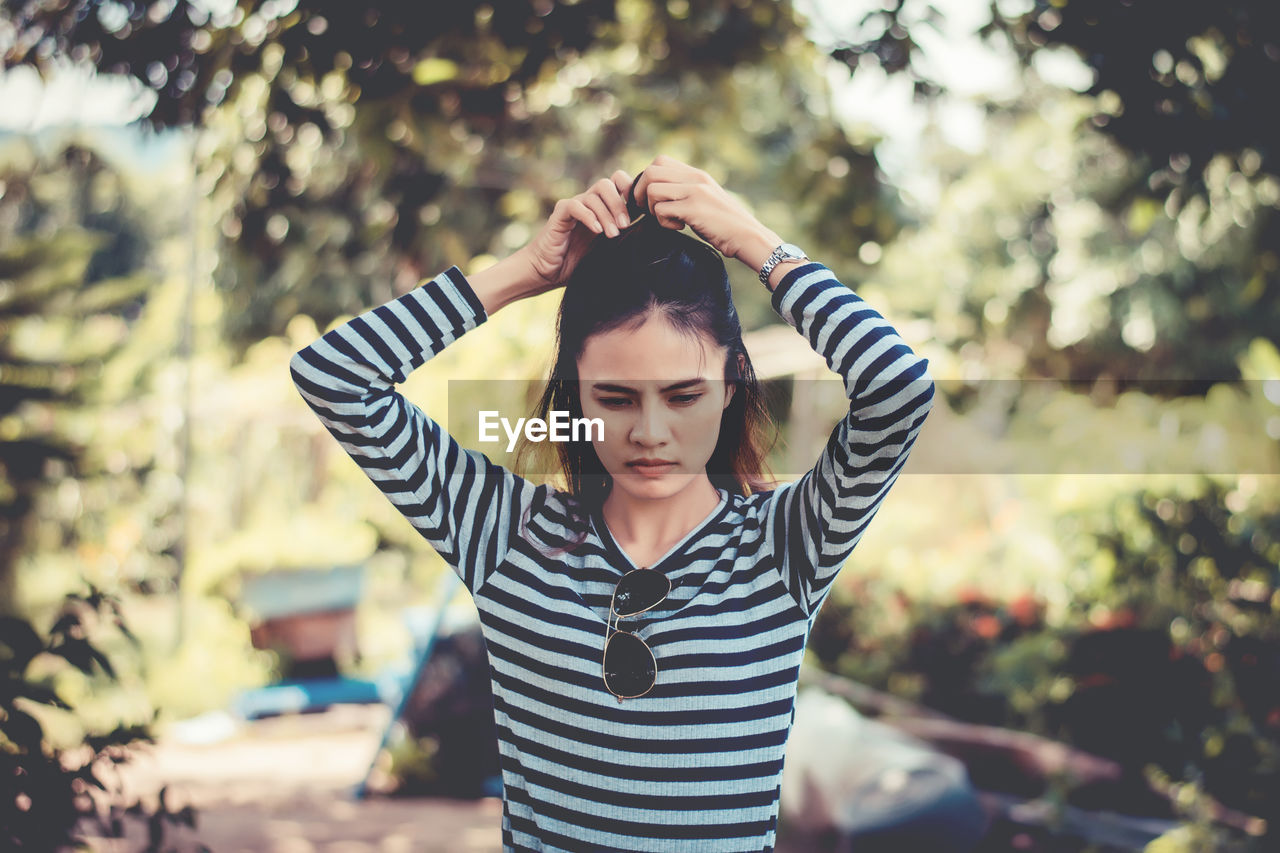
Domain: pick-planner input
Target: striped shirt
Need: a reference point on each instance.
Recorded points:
(696, 763)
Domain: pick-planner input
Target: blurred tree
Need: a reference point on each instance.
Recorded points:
(1182, 226)
(72, 263)
(1181, 87)
(356, 149)
(359, 149)
(1176, 83)
(51, 792)
(1038, 262)
(1165, 659)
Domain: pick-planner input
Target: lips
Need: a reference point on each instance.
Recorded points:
(650, 466)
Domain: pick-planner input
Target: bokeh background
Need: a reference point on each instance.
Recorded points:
(1068, 206)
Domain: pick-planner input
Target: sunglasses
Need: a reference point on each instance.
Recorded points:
(630, 669)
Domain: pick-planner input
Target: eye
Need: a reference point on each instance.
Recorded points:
(686, 398)
(613, 402)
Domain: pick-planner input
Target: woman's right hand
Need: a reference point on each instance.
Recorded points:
(574, 223)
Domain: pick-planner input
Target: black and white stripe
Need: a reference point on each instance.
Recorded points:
(695, 763)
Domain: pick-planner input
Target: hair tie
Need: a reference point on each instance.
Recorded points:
(635, 210)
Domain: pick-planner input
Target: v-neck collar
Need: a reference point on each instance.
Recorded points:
(606, 536)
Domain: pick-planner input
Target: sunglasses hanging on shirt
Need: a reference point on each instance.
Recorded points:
(630, 669)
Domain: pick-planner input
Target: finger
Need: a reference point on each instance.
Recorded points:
(671, 169)
(665, 160)
(604, 216)
(562, 220)
(665, 211)
(664, 191)
(578, 210)
(655, 175)
(624, 182)
(614, 202)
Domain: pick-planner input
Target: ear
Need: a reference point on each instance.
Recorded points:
(732, 386)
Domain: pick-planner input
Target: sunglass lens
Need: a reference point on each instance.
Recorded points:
(640, 590)
(629, 666)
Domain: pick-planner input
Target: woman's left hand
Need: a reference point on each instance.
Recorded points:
(679, 195)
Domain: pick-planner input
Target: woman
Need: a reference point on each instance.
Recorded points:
(646, 625)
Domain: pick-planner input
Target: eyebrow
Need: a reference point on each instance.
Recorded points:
(675, 386)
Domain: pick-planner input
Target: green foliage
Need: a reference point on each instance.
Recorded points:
(1181, 81)
(1166, 663)
(412, 764)
(93, 310)
(50, 792)
(72, 264)
(340, 164)
(345, 170)
(1177, 85)
(349, 153)
(1048, 257)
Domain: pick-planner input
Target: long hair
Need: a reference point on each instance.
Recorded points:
(619, 282)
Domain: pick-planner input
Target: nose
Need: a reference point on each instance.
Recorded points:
(650, 428)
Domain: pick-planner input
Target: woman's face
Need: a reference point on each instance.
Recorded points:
(660, 394)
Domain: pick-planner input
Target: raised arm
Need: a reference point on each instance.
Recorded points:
(462, 503)
(465, 505)
(814, 523)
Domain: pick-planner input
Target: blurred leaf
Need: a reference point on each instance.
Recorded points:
(155, 830)
(21, 729)
(122, 735)
(38, 693)
(23, 642)
(82, 654)
(67, 626)
(433, 69)
(1261, 362)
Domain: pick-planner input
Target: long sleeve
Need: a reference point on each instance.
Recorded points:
(466, 506)
(814, 523)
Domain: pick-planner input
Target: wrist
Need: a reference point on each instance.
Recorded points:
(757, 249)
(757, 245)
(504, 282)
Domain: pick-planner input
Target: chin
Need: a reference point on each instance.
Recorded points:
(650, 487)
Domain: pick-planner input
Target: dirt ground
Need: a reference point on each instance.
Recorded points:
(285, 785)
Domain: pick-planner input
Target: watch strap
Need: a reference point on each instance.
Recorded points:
(785, 251)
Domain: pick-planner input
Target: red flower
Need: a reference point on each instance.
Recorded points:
(986, 626)
(1026, 610)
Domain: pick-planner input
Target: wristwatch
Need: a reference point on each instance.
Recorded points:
(785, 252)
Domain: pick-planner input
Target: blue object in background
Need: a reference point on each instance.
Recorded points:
(290, 592)
(315, 694)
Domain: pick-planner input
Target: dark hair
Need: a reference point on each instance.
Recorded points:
(618, 282)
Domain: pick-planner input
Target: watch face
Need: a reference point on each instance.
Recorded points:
(793, 251)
